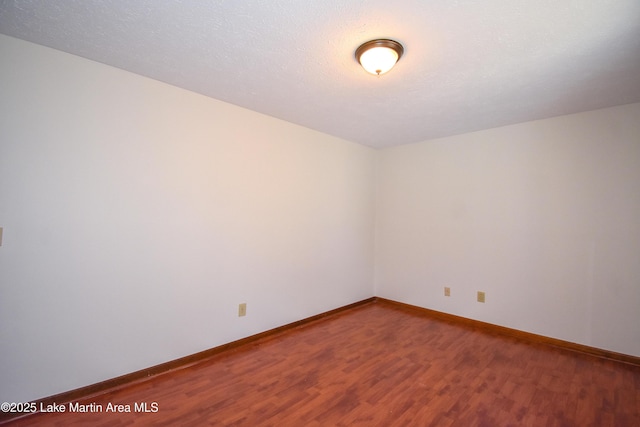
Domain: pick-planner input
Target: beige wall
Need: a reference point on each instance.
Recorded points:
(543, 216)
(137, 216)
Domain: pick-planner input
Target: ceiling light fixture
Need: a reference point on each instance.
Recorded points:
(379, 56)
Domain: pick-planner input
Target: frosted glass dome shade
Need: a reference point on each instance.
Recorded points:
(379, 56)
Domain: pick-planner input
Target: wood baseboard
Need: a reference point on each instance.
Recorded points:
(527, 336)
(112, 384)
(92, 390)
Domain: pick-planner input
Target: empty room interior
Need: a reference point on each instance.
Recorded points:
(178, 178)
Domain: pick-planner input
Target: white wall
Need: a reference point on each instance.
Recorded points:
(543, 216)
(137, 216)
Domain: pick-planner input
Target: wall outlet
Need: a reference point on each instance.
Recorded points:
(242, 309)
(480, 296)
(447, 291)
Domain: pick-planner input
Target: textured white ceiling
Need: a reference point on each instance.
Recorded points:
(468, 64)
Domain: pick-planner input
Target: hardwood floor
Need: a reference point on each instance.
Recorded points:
(379, 365)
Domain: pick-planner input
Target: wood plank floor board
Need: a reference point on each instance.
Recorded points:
(380, 365)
